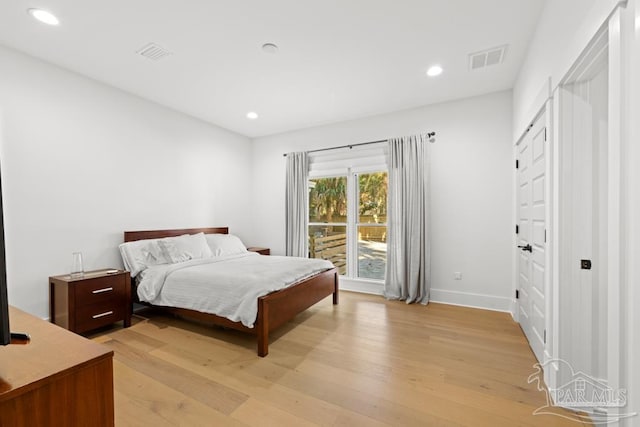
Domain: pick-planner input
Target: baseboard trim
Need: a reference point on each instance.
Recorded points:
(513, 304)
(442, 296)
(467, 299)
(362, 286)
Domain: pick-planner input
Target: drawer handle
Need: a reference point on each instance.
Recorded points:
(106, 313)
(99, 291)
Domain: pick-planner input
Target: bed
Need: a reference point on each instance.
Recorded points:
(273, 309)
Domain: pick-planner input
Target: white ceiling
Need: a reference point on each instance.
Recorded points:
(337, 59)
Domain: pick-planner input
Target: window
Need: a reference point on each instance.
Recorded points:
(372, 225)
(348, 222)
(328, 220)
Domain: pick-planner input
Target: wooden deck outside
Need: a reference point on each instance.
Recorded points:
(332, 248)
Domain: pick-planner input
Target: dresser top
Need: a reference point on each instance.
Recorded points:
(52, 352)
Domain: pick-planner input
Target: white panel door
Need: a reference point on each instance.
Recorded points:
(531, 203)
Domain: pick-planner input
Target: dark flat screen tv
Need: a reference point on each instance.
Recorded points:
(5, 332)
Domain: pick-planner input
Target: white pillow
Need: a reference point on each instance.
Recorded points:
(140, 254)
(225, 244)
(185, 247)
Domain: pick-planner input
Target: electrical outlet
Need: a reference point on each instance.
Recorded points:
(457, 275)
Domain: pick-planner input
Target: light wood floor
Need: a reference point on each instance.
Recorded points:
(365, 362)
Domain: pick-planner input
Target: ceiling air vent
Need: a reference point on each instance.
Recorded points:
(153, 51)
(487, 57)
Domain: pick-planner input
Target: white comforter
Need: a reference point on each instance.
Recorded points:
(227, 286)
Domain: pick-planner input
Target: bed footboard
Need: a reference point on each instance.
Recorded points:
(279, 307)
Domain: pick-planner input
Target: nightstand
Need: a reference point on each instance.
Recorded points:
(261, 251)
(97, 299)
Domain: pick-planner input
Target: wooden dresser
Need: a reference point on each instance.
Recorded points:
(58, 379)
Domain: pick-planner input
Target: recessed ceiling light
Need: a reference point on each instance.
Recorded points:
(270, 48)
(44, 16)
(434, 70)
(252, 115)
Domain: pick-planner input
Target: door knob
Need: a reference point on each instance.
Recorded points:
(526, 247)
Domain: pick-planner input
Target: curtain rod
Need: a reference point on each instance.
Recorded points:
(430, 135)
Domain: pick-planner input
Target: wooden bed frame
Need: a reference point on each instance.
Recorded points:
(274, 309)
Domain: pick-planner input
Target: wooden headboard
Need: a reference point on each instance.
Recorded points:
(130, 236)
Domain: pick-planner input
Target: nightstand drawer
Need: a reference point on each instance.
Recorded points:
(100, 289)
(101, 314)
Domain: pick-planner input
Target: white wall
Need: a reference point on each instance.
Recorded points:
(82, 162)
(471, 189)
(564, 29)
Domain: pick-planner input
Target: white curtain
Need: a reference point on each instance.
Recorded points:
(408, 264)
(297, 204)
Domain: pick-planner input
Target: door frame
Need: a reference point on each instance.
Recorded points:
(616, 140)
(632, 208)
(568, 271)
(618, 137)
